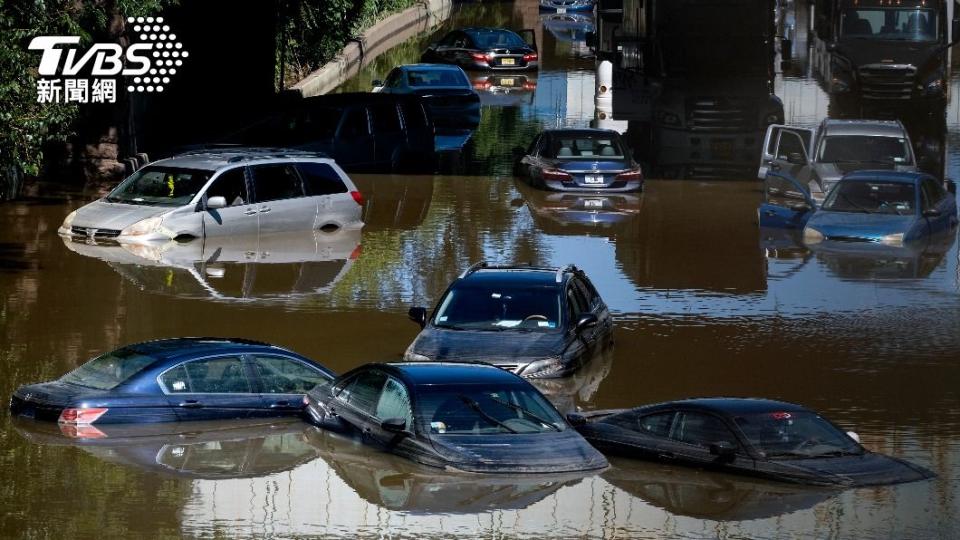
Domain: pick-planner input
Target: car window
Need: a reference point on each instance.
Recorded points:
(355, 123)
(208, 376)
(232, 186)
(279, 375)
(657, 424)
(585, 146)
(786, 434)
(480, 409)
(363, 391)
(576, 301)
(413, 115)
(932, 193)
(320, 179)
(865, 149)
(497, 307)
(160, 186)
(790, 143)
(878, 197)
(782, 191)
(436, 77)
(107, 371)
(393, 79)
(588, 293)
(385, 119)
(276, 182)
(394, 402)
(701, 430)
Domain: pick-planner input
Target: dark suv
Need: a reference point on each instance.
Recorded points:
(536, 322)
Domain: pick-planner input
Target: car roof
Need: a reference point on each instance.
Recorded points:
(436, 67)
(728, 405)
(581, 131)
(444, 373)
(885, 176)
(173, 348)
(213, 159)
(878, 128)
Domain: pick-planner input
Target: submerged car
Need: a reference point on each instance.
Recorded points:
(445, 89)
(883, 207)
(756, 437)
(579, 160)
(176, 379)
(495, 49)
(566, 6)
(228, 191)
(532, 321)
(469, 417)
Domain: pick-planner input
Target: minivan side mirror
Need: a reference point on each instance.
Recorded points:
(214, 203)
(394, 425)
(586, 320)
(418, 315)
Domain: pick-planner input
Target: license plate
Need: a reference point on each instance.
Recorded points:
(561, 10)
(722, 148)
(593, 179)
(593, 203)
(508, 62)
(506, 82)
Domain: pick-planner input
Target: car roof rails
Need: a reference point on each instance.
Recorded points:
(473, 268)
(248, 152)
(564, 269)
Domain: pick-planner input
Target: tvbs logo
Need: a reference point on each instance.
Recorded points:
(150, 62)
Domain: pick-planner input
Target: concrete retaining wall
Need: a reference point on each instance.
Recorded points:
(377, 39)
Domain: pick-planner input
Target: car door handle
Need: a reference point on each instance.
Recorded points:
(264, 209)
(250, 212)
(280, 405)
(190, 404)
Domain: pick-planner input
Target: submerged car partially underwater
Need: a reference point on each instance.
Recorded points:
(755, 437)
(469, 417)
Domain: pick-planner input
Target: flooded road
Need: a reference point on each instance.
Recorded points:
(704, 305)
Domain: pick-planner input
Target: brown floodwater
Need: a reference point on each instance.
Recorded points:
(704, 304)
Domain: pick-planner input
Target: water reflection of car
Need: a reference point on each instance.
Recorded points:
(504, 90)
(566, 6)
(533, 321)
(176, 379)
(754, 437)
(395, 483)
(570, 27)
(445, 89)
(255, 268)
(713, 496)
(872, 261)
(588, 212)
(579, 160)
(232, 191)
(496, 49)
(576, 392)
(469, 417)
(214, 450)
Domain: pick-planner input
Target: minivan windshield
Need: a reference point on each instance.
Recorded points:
(107, 371)
(480, 409)
(864, 149)
(795, 434)
(892, 24)
(160, 186)
(500, 307)
(898, 198)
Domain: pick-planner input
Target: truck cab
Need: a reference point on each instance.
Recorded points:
(818, 158)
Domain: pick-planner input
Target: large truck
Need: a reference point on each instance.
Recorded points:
(882, 51)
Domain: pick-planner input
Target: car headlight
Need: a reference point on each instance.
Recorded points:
(68, 221)
(812, 236)
(548, 367)
(892, 240)
(935, 86)
(144, 226)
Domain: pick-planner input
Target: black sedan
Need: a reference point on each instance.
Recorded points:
(757, 437)
(470, 417)
(176, 379)
(495, 49)
(579, 160)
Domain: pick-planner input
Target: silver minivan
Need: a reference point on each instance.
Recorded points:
(235, 191)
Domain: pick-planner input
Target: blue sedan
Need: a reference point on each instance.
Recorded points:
(882, 207)
(176, 379)
(579, 160)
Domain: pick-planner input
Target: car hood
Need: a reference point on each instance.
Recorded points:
(867, 469)
(117, 216)
(869, 227)
(901, 52)
(588, 165)
(504, 347)
(546, 452)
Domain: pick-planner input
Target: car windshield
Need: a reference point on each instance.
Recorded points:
(897, 198)
(896, 24)
(160, 186)
(437, 77)
(107, 371)
(864, 149)
(494, 307)
(585, 146)
(497, 39)
(477, 409)
(795, 434)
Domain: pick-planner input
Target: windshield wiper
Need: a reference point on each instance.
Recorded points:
(838, 453)
(525, 411)
(851, 203)
(472, 403)
(450, 327)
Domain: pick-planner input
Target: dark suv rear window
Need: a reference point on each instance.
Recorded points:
(320, 179)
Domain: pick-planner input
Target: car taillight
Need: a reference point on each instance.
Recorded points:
(635, 174)
(530, 57)
(482, 57)
(355, 254)
(529, 85)
(357, 196)
(554, 174)
(81, 432)
(81, 415)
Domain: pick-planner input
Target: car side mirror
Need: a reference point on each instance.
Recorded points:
(796, 158)
(576, 420)
(931, 212)
(377, 82)
(418, 315)
(214, 203)
(586, 320)
(394, 425)
(723, 450)
(853, 435)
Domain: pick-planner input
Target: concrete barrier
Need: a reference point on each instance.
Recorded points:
(377, 39)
